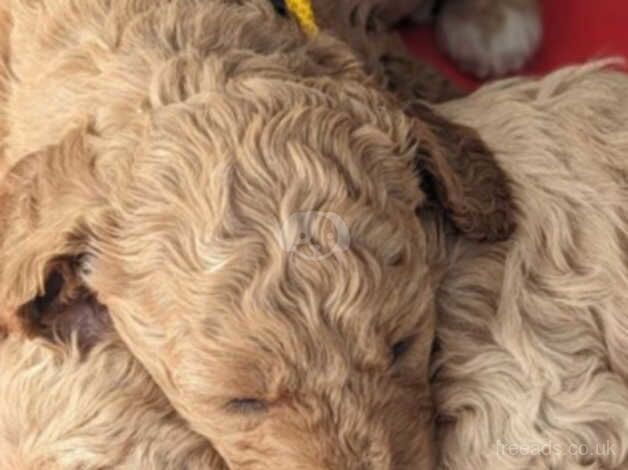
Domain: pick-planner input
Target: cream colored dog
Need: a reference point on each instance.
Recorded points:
(63, 411)
(532, 369)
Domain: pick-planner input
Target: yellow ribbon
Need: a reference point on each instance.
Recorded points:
(302, 11)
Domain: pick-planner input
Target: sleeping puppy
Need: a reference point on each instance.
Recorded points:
(532, 369)
(249, 204)
(64, 410)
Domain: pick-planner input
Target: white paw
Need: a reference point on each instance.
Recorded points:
(489, 43)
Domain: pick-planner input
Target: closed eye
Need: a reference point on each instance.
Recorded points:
(400, 348)
(246, 406)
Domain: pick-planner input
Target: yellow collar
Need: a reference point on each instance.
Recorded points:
(303, 12)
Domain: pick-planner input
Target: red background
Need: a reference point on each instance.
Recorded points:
(574, 31)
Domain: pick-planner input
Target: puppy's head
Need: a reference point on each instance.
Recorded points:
(270, 270)
(267, 261)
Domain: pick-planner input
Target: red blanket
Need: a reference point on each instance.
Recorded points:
(574, 31)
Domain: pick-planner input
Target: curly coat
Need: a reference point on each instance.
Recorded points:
(532, 368)
(63, 416)
(164, 148)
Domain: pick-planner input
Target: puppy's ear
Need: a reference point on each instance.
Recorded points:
(45, 218)
(459, 174)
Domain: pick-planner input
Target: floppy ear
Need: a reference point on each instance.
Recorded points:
(459, 174)
(45, 224)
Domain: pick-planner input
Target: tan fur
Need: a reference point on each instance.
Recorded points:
(63, 411)
(166, 147)
(5, 28)
(532, 371)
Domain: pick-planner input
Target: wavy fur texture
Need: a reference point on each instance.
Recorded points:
(5, 27)
(68, 411)
(175, 153)
(167, 146)
(532, 368)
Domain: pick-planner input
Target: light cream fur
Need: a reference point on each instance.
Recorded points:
(5, 26)
(532, 371)
(61, 410)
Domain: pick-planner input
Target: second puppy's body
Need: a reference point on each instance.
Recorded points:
(64, 411)
(532, 369)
